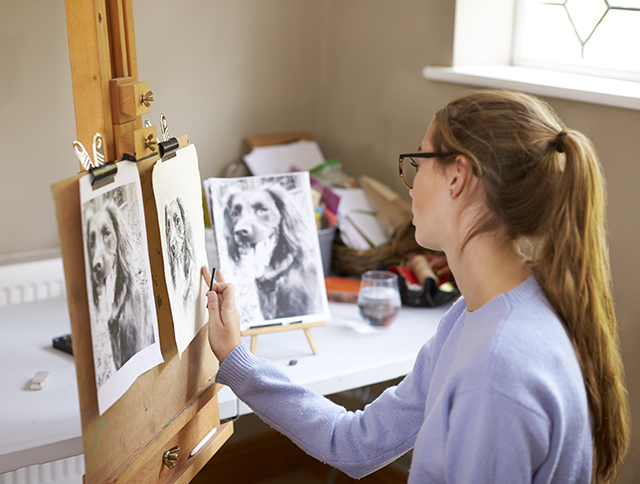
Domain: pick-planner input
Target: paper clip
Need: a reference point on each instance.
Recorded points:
(83, 156)
(168, 146)
(103, 175)
(98, 150)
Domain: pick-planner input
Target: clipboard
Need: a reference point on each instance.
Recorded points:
(161, 429)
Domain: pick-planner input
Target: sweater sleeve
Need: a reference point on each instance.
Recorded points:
(494, 439)
(358, 442)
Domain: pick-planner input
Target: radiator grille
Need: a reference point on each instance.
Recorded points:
(31, 281)
(26, 279)
(65, 471)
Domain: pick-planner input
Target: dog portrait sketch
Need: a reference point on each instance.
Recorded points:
(177, 189)
(266, 233)
(182, 259)
(119, 310)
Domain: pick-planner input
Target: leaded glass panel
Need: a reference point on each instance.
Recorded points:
(599, 37)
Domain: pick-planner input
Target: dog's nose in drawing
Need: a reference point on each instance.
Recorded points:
(98, 270)
(244, 234)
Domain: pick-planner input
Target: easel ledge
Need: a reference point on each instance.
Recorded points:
(254, 332)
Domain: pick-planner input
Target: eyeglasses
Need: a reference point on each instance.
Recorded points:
(409, 167)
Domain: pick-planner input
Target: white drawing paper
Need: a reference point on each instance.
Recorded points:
(359, 223)
(268, 247)
(124, 324)
(178, 192)
(298, 155)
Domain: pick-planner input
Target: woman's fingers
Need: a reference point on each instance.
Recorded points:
(220, 276)
(224, 320)
(206, 274)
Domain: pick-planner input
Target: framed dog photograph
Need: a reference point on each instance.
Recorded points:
(177, 189)
(267, 245)
(124, 324)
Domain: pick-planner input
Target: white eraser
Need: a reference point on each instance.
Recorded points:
(202, 442)
(39, 381)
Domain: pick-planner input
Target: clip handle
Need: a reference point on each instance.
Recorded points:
(167, 147)
(83, 156)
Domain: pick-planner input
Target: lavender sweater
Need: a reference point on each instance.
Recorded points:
(496, 396)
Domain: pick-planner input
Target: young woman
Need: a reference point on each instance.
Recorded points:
(523, 380)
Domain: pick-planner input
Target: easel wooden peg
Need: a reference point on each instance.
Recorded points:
(254, 332)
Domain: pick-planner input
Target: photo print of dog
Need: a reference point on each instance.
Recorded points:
(119, 300)
(268, 246)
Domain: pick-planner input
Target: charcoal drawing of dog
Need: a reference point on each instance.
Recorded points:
(182, 260)
(264, 230)
(116, 298)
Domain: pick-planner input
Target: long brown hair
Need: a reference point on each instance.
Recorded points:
(544, 184)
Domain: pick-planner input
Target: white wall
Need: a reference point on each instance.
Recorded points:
(347, 70)
(237, 67)
(37, 123)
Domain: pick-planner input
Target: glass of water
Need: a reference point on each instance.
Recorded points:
(379, 298)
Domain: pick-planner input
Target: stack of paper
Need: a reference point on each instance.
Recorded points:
(300, 155)
(359, 225)
(392, 210)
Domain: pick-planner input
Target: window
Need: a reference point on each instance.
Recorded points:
(583, 50)
(596, 37)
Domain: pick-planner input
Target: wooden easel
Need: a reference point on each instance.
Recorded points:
(254, 332)
(150, 432)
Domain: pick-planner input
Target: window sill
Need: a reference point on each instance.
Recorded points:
(576, 87)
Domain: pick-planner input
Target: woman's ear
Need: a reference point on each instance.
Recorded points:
(458, 174)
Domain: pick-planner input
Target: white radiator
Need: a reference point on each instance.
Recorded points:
(26, 278)
(65, 471)
(23, 279)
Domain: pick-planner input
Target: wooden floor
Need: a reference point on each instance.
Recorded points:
(257, 454)
(296, 477)
(272, 458)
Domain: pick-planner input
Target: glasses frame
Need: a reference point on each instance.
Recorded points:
(422, 154)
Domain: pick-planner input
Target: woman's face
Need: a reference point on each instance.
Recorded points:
(430, 195)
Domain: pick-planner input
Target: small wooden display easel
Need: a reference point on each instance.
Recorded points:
(166, 426)
(254, 332)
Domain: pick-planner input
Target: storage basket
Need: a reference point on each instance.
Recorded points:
(346, 260)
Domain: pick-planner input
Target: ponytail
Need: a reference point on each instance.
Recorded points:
(544, 184)
(573, 271)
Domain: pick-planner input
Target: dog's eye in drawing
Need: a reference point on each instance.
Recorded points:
(264, 210)
(92, 239)
(178, 223)
(237, 210)
(108, 238)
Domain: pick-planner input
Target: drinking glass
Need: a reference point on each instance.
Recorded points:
(379, 298)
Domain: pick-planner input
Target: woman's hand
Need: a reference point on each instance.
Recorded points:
(224, 320)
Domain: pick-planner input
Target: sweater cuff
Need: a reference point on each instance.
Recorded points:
(235, 366)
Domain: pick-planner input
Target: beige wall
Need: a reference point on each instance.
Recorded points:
(347, 70)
